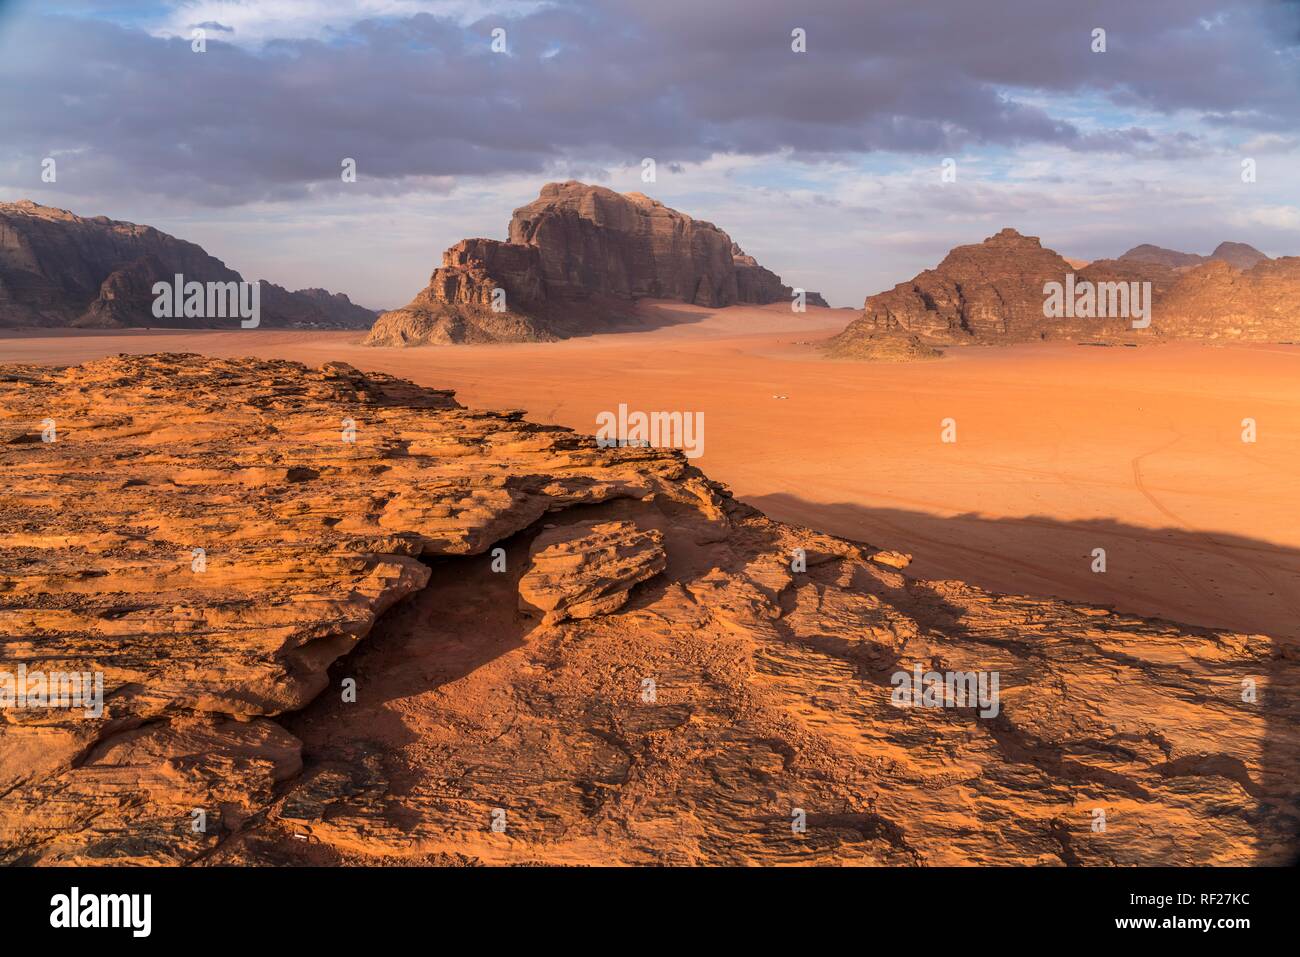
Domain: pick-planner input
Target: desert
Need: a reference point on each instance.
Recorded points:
(515, 467)
(1057, 471)
(653, 673)
(898, 505)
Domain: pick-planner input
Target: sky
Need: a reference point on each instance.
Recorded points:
(825, 164)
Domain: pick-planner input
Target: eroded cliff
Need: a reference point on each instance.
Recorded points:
(577, 259)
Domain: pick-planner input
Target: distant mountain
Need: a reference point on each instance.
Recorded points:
(59, 269)
(1147, 253)
(577, 259)
(995, 291)
(1238, 254)
(1234, 254)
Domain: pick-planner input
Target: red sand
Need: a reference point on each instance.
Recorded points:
(1061, 448)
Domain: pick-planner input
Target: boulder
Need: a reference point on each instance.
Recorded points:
(587, 569)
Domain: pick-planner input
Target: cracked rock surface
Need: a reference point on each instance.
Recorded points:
(287, 579)
(587, 569)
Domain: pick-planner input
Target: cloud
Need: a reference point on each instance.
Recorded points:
(824, 165)
(254, 24)
(413, 95)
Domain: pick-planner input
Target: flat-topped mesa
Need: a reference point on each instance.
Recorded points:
(996, 291)
(577, 259)
(59, 269)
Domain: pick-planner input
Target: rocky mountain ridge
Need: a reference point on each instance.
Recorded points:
(576, 260)
(995, 292)
(58, 269)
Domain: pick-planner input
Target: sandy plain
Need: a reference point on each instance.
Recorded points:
(1061, 449)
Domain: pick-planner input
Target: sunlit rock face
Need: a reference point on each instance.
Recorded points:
(576, 260)
(996, 292)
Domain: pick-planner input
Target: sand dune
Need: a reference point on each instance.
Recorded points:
(1060, 449)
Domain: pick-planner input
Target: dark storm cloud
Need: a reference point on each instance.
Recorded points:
(611, 81)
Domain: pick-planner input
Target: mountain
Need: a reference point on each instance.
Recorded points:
(59, 269)
(996, 292)
(1147, 253)
(390, 647)
(576, 260)
(983, 292)
(1219, 302)
(1238, 254)
(1235, 254)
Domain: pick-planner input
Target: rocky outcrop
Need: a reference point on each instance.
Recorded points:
(995, 292)
(1219, 302)
(882, 345)
(58, 269)
(485, 291)
(302, 590)
(313, 307)
(1240, 255)
(759, 285)
(576, 260)
(985, 292)
(588, 569)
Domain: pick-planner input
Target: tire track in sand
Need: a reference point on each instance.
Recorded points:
(1226, 552)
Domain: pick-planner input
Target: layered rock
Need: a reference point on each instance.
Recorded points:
(484, 291)
(984, 292)
(588, 569)
(1219, 302)
(576, 260)
(58, 269)
(712, 674)
(995, 292)
(756, 284)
